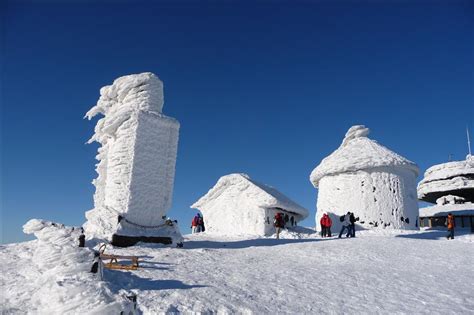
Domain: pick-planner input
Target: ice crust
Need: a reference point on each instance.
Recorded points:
(366, 178)
(446, 177)
(137, 159)
(238, 205)
(65, 284)
(357, 152)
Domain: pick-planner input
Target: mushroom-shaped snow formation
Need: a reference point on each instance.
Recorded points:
(136, 166)
(366, 178)
(452, 178)
(238, 205)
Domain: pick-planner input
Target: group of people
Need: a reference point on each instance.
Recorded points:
(326, 224)
(197, 224)
(348, 223)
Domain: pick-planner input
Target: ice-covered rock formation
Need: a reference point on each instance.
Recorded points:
(366, 178)
(66, 284)
(238, 205)
(452, 178)
(136, 166)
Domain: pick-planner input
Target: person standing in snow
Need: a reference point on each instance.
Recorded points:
(195, 227)
(201, 223)
(279, 223)
(326, 223)
(346, 222)
(450, 224)
(352, 228)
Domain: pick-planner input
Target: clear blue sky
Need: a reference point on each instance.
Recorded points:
(267, 89)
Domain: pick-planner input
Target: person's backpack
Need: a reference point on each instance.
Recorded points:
(341, 218)
(277, 220)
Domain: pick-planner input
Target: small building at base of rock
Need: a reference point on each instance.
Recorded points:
(435, 216)
(238, 205)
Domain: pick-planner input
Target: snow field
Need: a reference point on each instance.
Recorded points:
(375, 273)
(407, 273)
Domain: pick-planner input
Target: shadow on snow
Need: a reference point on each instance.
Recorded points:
(245, 243)
(119, 280)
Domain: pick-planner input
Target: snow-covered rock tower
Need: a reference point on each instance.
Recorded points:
(136, 166)
(366, 178)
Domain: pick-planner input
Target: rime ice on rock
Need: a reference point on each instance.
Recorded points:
(136, 166)
(451, 186)
(65, 283)
(366, 178)
(238, 205)
(453, 178)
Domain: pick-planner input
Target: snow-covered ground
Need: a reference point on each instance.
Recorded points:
(393, 273)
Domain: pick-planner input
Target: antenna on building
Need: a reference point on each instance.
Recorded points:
(468, 140)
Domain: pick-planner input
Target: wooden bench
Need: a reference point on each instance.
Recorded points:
(114, 260)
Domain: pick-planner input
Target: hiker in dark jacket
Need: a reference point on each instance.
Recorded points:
(346, 222)
(352, 229)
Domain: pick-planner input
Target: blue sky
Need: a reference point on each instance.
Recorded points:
(268, 89)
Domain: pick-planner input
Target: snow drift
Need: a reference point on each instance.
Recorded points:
(137, 161)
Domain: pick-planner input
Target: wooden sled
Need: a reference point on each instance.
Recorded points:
(114, 263)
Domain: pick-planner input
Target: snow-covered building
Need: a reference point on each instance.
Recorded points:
(451, 186)
(136, 166)
(366, 178)
(238, 205)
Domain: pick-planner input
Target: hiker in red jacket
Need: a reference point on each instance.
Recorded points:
(196, 224)
(326, 223)
(279, 223)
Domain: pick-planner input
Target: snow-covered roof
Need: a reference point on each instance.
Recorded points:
(357, 152)
(448, 178)
(256, 193)
(456, 209)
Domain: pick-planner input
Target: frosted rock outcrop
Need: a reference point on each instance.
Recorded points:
(238, 205)
(366, 178)
(136, 166)
(452, 178)
(65, 284)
